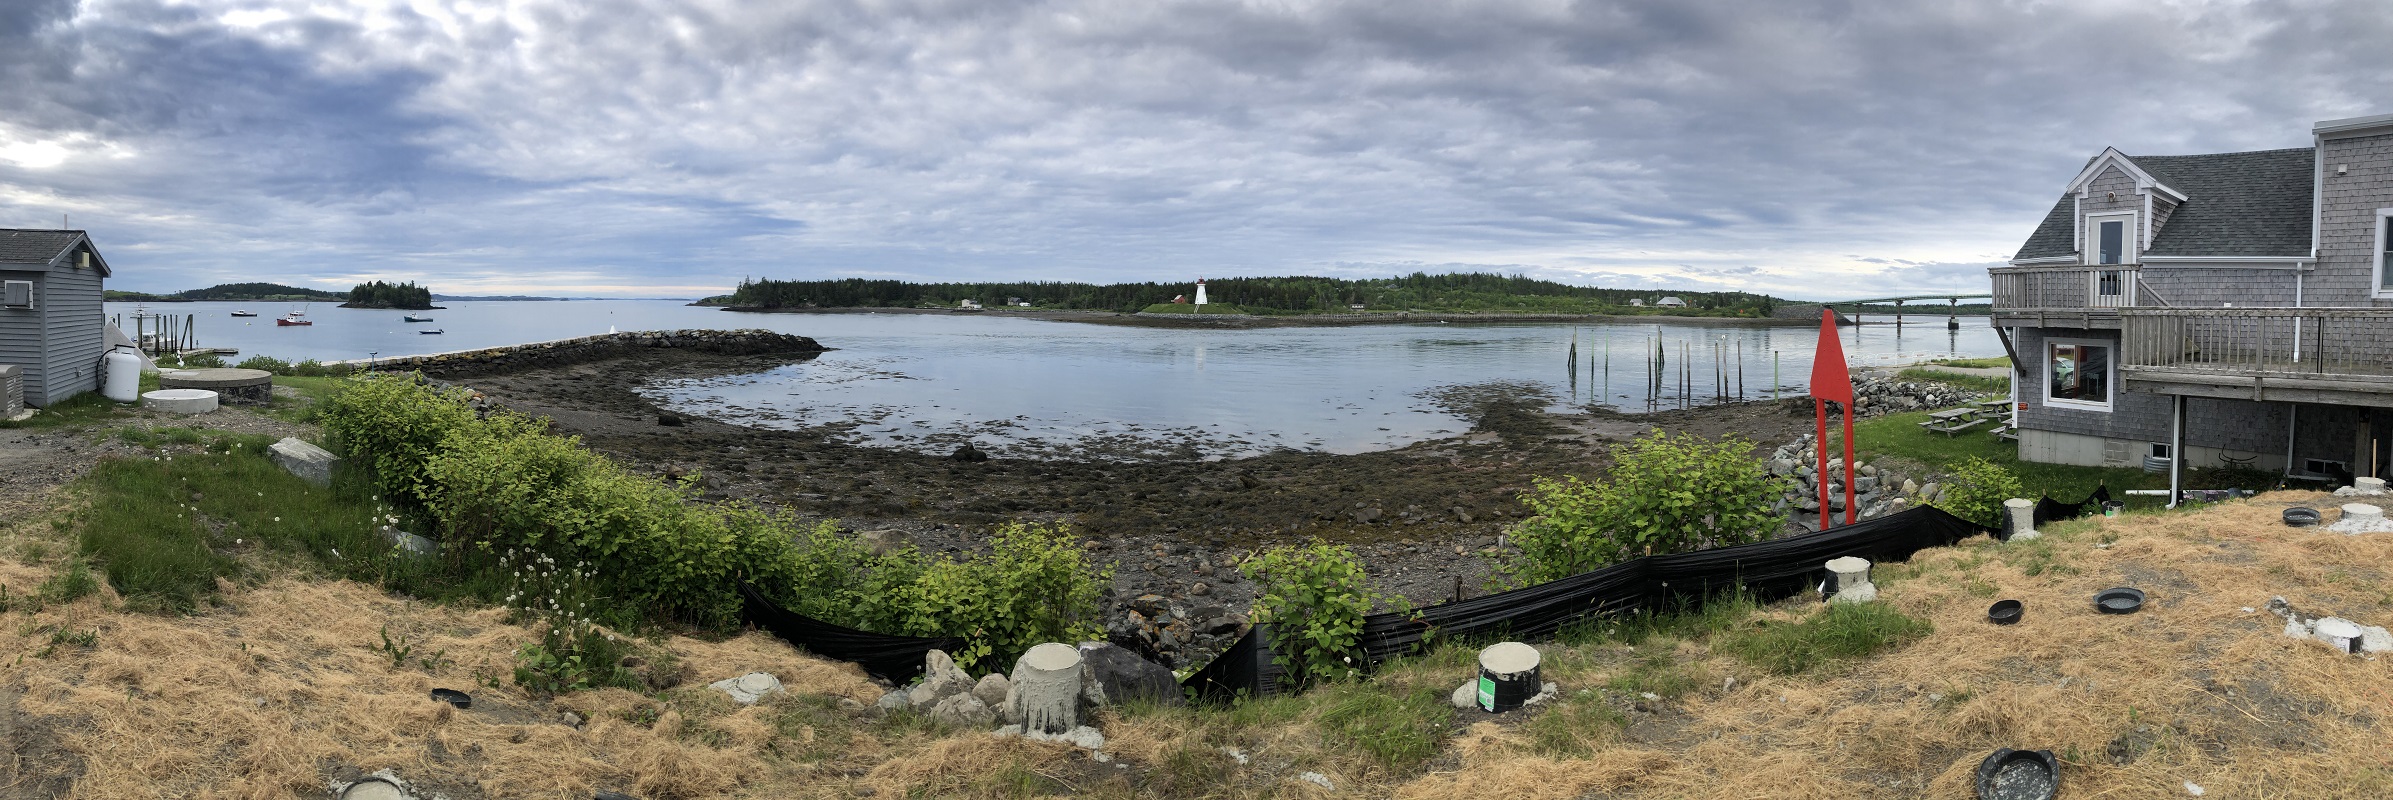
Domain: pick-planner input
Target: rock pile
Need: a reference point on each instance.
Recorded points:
(592, 348)
(1874, 395)
(1878, 491)
(1051, 690)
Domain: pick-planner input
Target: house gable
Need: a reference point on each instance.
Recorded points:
(2254, 205)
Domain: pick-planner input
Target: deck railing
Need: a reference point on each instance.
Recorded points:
(2260, 341)
(2065, 287)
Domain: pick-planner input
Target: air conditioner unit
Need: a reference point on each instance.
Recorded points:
(16, 294)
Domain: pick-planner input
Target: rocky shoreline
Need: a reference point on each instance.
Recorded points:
(1423, 517)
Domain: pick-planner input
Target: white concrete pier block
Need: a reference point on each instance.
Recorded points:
(2022, 514)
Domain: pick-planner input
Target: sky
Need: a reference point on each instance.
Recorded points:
(671, 148)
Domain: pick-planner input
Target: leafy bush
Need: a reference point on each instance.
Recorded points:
(1976, 490)
(505, 484)
(1844, 631)
(196, 361)
(267, 363)
(1666, 494)
(395, 425)
(1036, 586)
(1316, 596)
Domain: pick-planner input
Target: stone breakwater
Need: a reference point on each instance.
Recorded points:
(593, 348)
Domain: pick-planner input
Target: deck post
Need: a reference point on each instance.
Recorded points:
(2176, 447)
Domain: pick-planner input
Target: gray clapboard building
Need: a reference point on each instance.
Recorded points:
(51, 325)
(2235, 308)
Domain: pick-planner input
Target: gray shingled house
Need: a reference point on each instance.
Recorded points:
(2235, 308)
(51, 323)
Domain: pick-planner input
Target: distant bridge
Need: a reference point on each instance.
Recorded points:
(1955, 298)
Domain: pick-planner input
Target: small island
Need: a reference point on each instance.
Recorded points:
(379, 294)
(271, 292)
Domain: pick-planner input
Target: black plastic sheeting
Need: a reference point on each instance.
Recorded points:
(1765, 571)
(2050, 510)
(896, 659)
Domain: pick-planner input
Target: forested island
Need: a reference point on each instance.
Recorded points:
(230, 291)
(1454, 292)
(379, 294)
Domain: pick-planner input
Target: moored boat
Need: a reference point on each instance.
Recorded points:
(288, 321)
(245, 313)
(415, 318)
(429, 332)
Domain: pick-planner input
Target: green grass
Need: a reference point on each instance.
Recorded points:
(1842, 632)
(165, 529)
(1399, 730)
(1900, 436)
(1981, 383)
(88, 408)
(1995, 362)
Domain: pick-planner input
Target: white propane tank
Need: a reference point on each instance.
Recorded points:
(121, 376)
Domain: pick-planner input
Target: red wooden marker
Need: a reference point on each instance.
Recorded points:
(1830, 380)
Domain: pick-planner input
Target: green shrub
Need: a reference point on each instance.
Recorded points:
(395, 425)
(1665, 494)
(1843, 631)
(1035, 586)
(267, 363)
(1976, 489)
(1315, 596)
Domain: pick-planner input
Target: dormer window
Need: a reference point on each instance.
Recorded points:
(2114, 238)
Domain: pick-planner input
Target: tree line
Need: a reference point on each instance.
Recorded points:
(1462, 291)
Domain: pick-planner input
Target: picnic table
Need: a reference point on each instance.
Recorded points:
(1953, 420)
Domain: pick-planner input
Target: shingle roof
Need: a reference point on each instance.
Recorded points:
(19, 246)
(2237, 204)
(2053, 237)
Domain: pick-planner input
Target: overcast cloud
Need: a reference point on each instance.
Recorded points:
(654, 148)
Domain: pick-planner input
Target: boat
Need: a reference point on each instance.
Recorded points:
(245, 313)
(287, 321)
(429, 332)
(415, 318)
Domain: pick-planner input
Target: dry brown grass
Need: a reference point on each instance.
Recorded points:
(2193, 688)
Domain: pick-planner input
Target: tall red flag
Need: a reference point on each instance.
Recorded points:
(1831, 380)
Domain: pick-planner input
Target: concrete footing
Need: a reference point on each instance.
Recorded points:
(1045, 688)
(2021, 513)
(180, 401)
(1852, 580)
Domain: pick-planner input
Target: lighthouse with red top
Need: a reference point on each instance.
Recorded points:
(1200, 298)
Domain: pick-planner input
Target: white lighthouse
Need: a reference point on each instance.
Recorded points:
(1200, 298)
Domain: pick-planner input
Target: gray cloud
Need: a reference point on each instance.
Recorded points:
(649, 146)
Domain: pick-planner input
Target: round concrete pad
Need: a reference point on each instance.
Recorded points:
(180, 401)
(1509, 658)
(213, 378)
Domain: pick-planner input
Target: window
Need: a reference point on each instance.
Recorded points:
(2384, 251)
(2077, 374)
(2321, 466)
(2160, 449)
(2114, 239)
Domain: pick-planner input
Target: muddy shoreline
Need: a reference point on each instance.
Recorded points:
(1423, 515)
(1296, 321)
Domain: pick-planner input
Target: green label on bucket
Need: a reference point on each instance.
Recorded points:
(1487, 693)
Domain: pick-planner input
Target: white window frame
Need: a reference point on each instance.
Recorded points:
(2110, 376)
(2376, 277)
(2127, 238)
